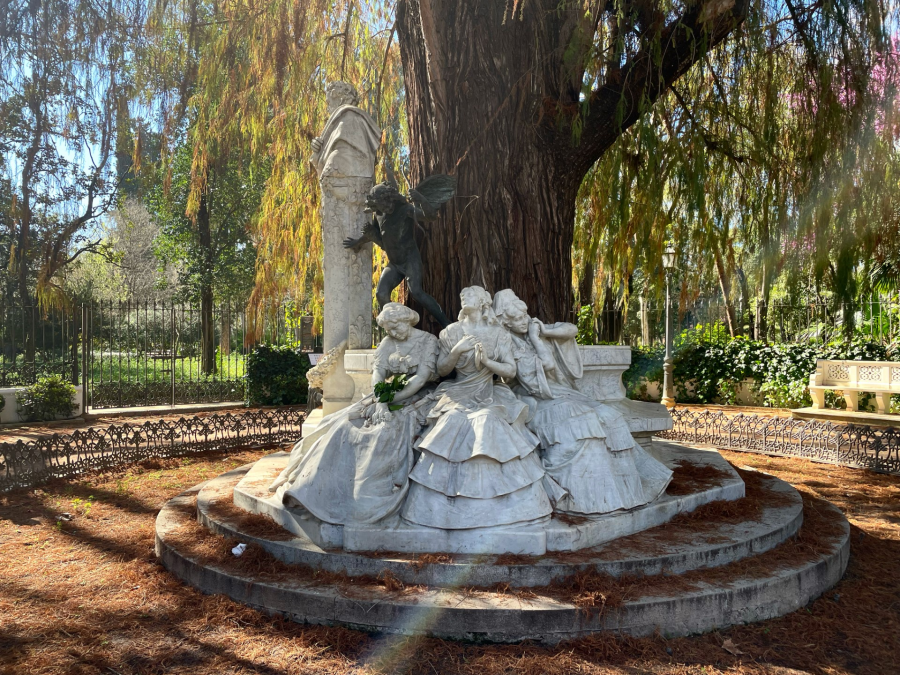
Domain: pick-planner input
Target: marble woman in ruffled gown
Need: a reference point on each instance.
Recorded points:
(586, 446)
(354, 468)
(479, 465)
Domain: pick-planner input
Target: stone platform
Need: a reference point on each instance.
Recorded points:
(457, 596)
(568, 534)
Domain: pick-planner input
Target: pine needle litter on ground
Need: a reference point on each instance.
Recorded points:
(84, 594)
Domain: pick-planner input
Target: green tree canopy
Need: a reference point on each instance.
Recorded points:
(65, 80)
(772, 165)
(769, 162)
(227, 266)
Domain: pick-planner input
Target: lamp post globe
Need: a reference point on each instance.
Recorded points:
(668, 258)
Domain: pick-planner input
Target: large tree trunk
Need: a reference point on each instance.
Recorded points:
(494, 103)
(225, 338)
(472, 114)
(611, 320)
(646, 338)
(745, 303)
(765, 285)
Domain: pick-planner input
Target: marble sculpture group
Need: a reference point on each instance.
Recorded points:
(507, 439)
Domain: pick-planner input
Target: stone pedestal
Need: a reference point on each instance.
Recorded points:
(603, 369)
(358, 364)
(602, 380)
(312, 421)
(344, 158)
(438, 599)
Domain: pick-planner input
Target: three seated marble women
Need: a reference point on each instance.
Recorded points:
(507, 440)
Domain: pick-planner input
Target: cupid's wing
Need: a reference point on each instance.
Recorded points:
(437, 189)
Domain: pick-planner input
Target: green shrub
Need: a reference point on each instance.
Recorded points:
(786, 394)
(646, 366)
(50, 398)
(587, 325)
(709, 366)
(276, 376)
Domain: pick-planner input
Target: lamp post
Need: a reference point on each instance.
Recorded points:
(668, 394)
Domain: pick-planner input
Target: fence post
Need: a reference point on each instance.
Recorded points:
(173, 354)
(84, 359)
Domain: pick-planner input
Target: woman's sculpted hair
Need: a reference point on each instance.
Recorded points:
(484, 302)
(394, 311)
(507, 302)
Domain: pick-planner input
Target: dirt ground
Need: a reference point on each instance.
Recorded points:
(81, 592)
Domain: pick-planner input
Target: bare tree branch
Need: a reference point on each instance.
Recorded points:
(629, 91)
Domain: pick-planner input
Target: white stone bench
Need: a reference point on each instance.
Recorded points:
(602, 380)
(881, 378)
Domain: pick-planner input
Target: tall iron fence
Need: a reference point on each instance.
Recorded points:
(130, 354)
(34, 343)
(25, 464)
(874, 448)
(143, 353)
(642, 322)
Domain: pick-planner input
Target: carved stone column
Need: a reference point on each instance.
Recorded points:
(344, 158)
(348, 281)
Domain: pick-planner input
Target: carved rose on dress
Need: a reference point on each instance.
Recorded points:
(399, 364)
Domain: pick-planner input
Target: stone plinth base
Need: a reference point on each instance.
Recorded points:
(312, 421)
(358, 364)
(457, 597)
(555, 534)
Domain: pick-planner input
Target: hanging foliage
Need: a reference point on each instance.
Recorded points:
(772, 165)
(257, 94)
(768, 160)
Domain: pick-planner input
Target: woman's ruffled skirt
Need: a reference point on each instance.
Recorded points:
(589, 451)
(476, 470)
(350, 473)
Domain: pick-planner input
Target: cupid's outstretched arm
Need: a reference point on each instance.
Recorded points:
(371, 232)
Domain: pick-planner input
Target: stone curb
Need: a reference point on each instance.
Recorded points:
(503, 618)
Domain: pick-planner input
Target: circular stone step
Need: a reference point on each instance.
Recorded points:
(719, 533)
(761, 587)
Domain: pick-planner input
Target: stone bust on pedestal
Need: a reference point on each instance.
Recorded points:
(344, 156)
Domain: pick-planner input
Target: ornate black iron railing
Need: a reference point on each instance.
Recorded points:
(24, 464)
(875, 448)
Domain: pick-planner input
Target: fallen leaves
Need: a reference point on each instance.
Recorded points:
(95, 600)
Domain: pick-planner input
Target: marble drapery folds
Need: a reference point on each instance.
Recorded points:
(479, 466)
(586, 446)
(352, 471)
